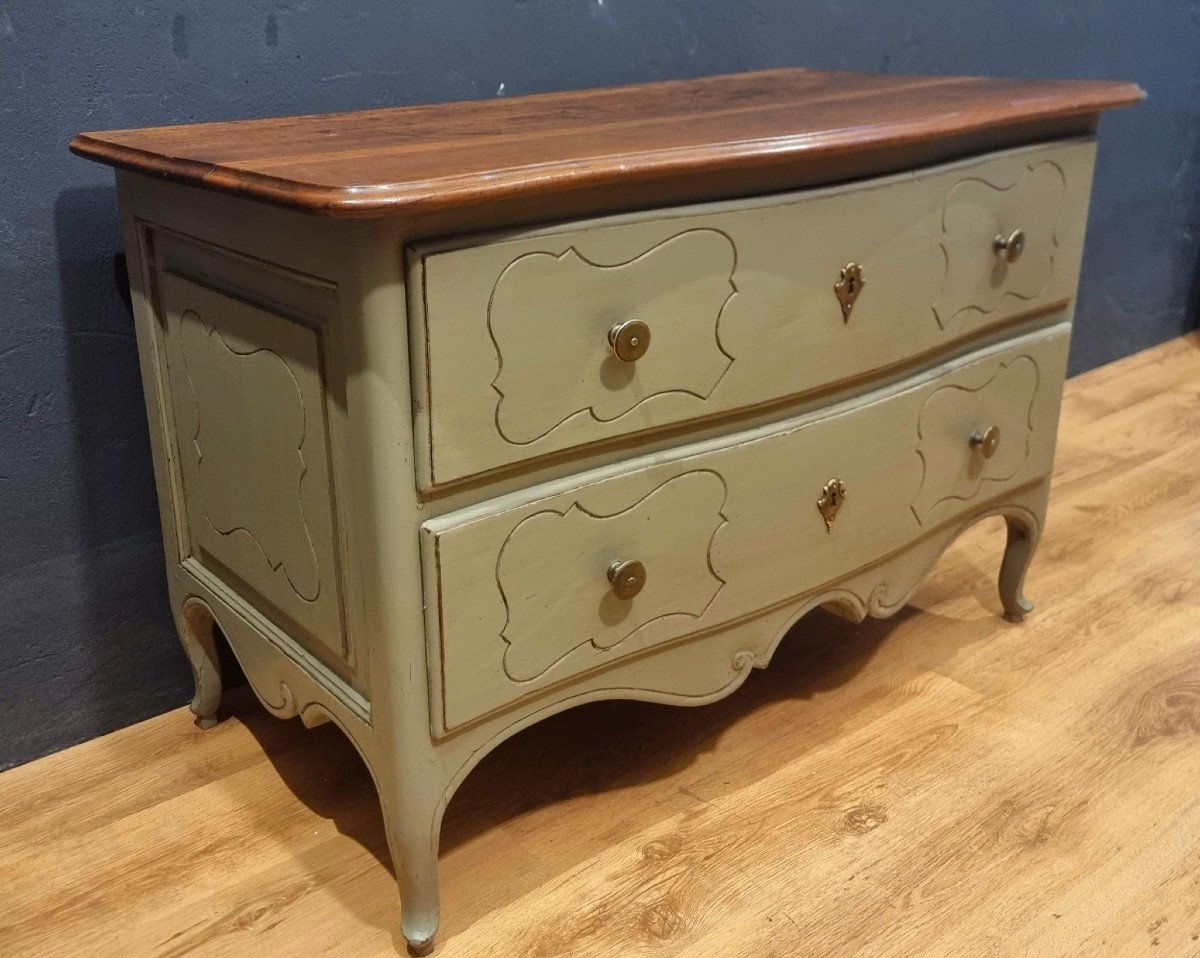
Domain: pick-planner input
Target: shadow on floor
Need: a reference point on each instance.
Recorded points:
(603, 746)
(591, 749)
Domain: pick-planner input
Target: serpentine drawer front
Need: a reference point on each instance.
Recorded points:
(463, 415)
(520, 594)
(737, 304)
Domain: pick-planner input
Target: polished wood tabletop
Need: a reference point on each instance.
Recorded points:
(735, 135)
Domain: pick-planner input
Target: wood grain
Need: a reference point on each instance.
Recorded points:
(660, 142)
(938, 784)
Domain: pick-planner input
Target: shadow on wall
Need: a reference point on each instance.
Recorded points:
(1192, 319)
(98, 615)
(1191, 302)
(114, 483)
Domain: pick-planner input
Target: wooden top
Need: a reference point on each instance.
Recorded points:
(744, 133)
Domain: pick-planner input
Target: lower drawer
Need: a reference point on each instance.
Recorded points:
(518, 589)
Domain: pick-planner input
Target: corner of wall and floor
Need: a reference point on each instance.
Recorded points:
(86, 641)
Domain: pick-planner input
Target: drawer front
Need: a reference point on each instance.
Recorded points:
(742, 304)
(518, 591)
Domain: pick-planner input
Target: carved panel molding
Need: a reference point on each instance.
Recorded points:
(551, 571)
(236, 496)
(951, 468)
(977, 211)
(550, 313)
(251, 429)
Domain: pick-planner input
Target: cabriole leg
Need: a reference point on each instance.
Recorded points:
(196, 625)
(1018, 553)
(412, 820)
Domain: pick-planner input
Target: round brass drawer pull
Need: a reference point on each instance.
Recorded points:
(1010, 247)
(628, 577)
(987, 441)
(629, 340)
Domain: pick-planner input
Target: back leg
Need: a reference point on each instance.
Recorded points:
(196, 624)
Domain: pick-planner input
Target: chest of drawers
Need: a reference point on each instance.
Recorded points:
(463, 415)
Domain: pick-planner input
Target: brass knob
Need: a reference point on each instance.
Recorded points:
(629, 340)
(987, 441)
(628, 577)
(1010, 247)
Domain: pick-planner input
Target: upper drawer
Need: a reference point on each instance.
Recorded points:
(745, 303)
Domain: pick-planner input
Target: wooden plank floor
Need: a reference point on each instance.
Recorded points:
(938, 784)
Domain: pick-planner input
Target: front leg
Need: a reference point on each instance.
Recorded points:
(1018, 553)
(412, 803)
(196, 625)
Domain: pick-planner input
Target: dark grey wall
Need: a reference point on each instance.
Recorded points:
(86, 644)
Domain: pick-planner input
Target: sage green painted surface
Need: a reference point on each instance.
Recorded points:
(739, 298)
(726, 529)
(306, 547)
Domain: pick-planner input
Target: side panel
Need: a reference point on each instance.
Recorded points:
(248, 400)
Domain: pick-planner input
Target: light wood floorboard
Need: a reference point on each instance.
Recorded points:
(941, 783)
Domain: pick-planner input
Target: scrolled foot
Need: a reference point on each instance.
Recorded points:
(1022, 607)
(420, 942)
(1018, 553)
(419, 909)
(412, 819)
(196, 626)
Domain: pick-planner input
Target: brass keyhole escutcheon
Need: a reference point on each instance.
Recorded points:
(987, 442)
(830, 503)
(1008, 248)
(627, 578)
(629, 340)
(848, 287)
